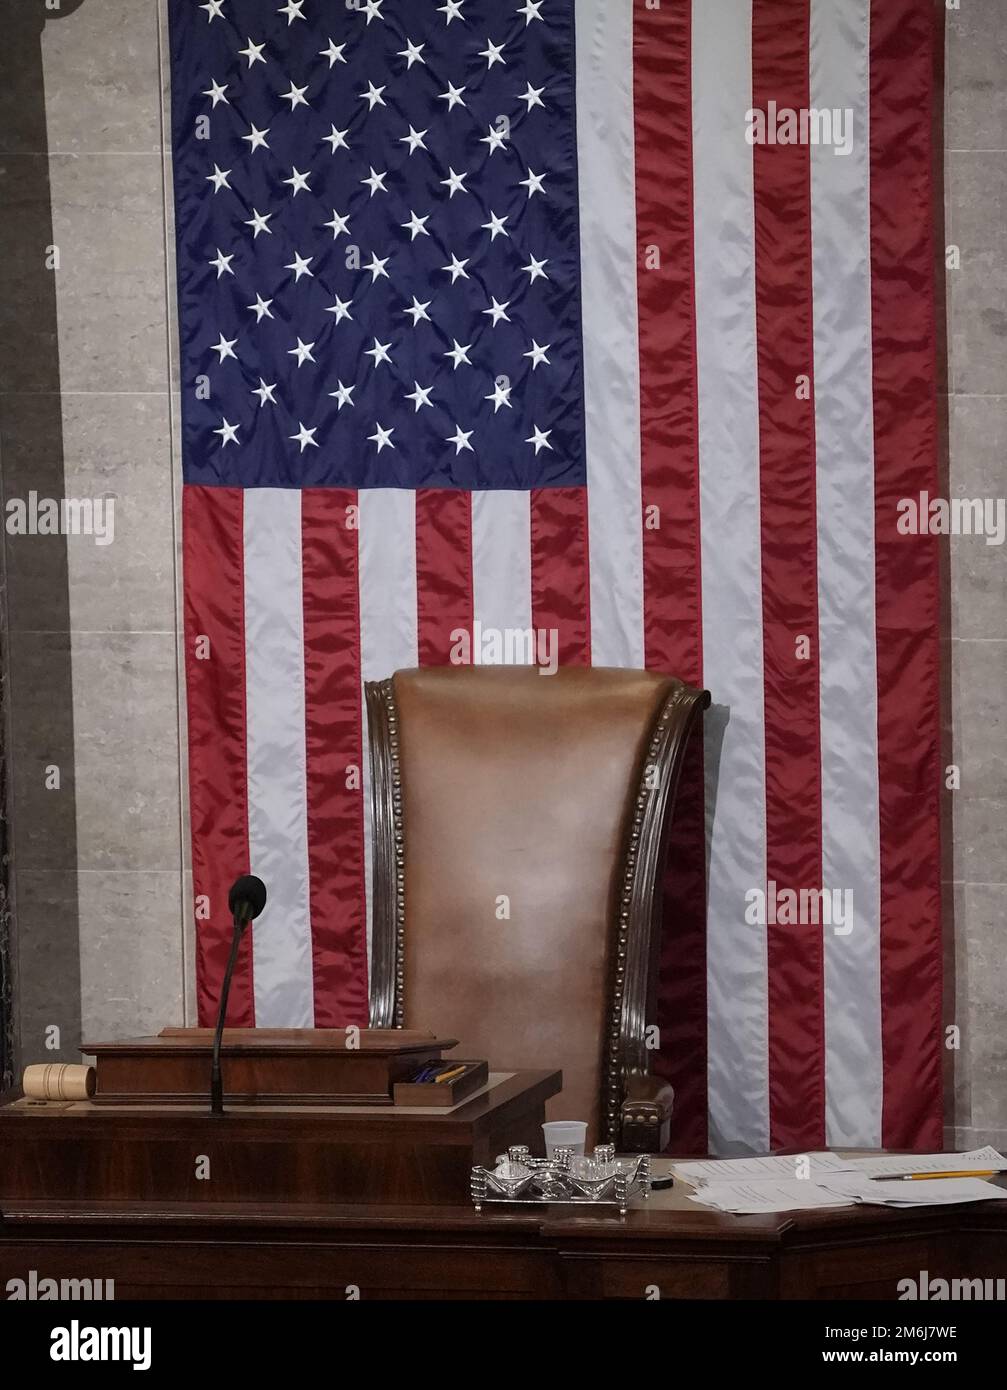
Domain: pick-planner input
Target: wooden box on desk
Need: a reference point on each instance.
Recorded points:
(83, 1151)
(263, 1066)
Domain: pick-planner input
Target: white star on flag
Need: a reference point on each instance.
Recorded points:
(304, 436)
(456, 269)
(495, 226)
(334, 53)
(414, 140)
(299, 265)
(295, 96)
(337, 139)
(379, 352)
(376, 181)
(340, 223)
(540, 439)
(218, 178)
(302, 352)
(341, 309)
(459, 354)
(373, 96)
(216, 92)
(418, 310)
(228, 432)
(454, 183)
(377, 267)
(382, 437)
(225, 347)
(260, 308)
(533, 183)
(258, 221)
(417, 226)
(253, 53)
(256, 138)
(421, 396)
(460, 439)
(298, 182)
(222, 263)
(413, 53)
(453, 97)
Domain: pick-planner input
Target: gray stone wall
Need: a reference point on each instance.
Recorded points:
(88, 403)
(976, 217)
(86, 411)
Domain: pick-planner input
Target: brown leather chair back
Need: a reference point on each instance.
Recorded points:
(512, 801)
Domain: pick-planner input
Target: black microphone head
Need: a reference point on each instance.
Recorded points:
(247, 897)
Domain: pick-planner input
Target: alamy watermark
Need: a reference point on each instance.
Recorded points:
(77, 1343)
(812, 125)
(43, 1290)
(505, 646)
(953, 516)
(804, 907)
(926, 1289)
(62, 516)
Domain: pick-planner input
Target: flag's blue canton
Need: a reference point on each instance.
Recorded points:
(316, 147)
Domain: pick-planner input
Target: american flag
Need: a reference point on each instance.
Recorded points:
(494, 317)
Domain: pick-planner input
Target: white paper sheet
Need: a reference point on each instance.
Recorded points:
(981, 1160)
(764, 1196)
(939, 1192)
(775, 1168)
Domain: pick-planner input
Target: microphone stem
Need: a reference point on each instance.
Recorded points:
(216, 1075)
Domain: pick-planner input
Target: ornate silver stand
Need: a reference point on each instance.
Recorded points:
(600, 1179)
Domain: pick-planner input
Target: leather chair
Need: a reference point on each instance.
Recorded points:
(521, 822)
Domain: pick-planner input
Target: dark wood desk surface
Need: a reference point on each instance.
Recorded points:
(233, 1250)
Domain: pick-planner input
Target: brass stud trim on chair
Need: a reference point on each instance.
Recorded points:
(639, 900)
(389, 878)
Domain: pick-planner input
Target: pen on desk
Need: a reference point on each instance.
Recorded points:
(966, 1173)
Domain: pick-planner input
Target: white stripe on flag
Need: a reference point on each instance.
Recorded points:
(501, 562)
(605, 151)
(844, 414)
(732, 572)
(277, 765)
(388, 642)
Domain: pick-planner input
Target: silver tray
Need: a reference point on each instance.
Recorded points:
(598, 1180)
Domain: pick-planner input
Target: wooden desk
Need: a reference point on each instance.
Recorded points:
(263, 1154)
(231, 1250)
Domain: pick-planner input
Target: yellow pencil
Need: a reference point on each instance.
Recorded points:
(448, 1075)
(969, 1173)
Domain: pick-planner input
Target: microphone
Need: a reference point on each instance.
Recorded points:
(246, 900)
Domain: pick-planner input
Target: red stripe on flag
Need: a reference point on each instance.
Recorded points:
(903, 264)
(785, 328)
(560, 584)
(443, 571)
(214, 582)
(333, 746)
(662, 45)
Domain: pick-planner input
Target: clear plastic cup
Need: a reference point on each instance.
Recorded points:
(564, 1134)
